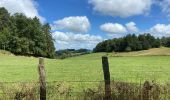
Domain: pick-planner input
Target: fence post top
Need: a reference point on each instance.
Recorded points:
(104, 57)
(41, 60)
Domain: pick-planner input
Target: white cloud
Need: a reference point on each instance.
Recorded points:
(116, 28)
(74, 24)
(122, 8)
(113, 28)
(160, 30)
(131, 27)
(76, 41)
(27, 7)
(165, 6)
(60, 36)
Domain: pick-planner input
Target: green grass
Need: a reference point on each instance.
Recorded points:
(135, 67)
(87, 68)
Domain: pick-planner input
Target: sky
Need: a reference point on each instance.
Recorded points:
(84, 23)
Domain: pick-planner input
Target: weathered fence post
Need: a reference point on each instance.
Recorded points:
(106, 78)
(42, 79)
(146, 88)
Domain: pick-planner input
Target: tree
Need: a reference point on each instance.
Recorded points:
(4, 34)
(50, 49)
(130, 42)
(144, 42)
(4, 18)
(101, 47)
(27, 36)
(165, 41)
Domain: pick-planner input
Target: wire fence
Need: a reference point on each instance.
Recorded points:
(87, 89)
(57, 90)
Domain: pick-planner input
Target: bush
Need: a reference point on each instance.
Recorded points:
(128, 49)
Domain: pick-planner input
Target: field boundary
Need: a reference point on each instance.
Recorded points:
(107, 92)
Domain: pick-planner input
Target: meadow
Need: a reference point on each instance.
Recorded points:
(124, 67)
(85, 72)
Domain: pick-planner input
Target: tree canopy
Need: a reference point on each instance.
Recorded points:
(25, 36)
(131, 42)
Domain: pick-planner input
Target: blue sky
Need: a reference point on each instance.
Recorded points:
(84, 23)
(58, 9)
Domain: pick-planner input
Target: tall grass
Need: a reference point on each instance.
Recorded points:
(120, 91)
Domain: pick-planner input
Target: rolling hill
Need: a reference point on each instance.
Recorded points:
(163, 51)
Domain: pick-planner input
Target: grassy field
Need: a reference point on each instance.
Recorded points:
(134, 67)
(123, 66)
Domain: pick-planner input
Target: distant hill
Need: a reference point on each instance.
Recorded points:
(61, 54)
(162, 51)
(155, 51)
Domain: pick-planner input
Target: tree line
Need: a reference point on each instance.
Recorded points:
(62, 54)
(131, 42)
(25, 36)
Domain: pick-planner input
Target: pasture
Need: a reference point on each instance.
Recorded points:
(131, 68)
(79, 74)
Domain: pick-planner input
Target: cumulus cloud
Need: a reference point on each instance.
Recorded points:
(165, 6)
(27, 7)
(113, 28)
(160, 30)
(131, 27)
(73, 23)
(72, 40)
(122, 8)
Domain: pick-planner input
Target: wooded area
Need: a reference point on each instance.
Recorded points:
(131, 42)
(25, 36)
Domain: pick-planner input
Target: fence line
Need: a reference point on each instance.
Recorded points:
(49, 81)
(42, 83)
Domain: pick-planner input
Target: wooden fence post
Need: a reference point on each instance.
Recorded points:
(106, 78)
(42, 79)
(146, 89)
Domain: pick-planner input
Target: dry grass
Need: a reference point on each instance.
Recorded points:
(120, 91)
(130, 91)
(163, 51)
(3, 52)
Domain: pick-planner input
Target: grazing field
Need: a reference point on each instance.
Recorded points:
(88, 67)
(84, 72)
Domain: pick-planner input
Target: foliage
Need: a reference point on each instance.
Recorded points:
(165, 41)
(128, 43)
(25, 36)
(71, 53)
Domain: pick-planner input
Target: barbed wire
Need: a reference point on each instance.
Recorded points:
(54, 82)
(76, 81)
